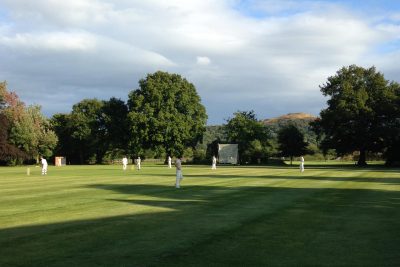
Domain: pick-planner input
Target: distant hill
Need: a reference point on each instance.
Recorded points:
(300, 120)
(290, 117)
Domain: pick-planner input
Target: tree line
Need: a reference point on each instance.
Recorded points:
(164, 117)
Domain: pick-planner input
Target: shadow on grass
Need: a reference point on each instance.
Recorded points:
(219, 226)
(336, 167)
(333, 167)
(393, 181)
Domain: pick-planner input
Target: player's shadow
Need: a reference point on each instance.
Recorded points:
(187, 192)
(302, 176)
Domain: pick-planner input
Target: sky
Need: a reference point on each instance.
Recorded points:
(262, 55)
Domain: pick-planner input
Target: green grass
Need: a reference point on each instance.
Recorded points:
(329, 215)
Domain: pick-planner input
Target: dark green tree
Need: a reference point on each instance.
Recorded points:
(251, 135)
(212, 149)
(392, 129)
(360, 107)
(114, 122)
(291, 142)
(7, 150)
(67, 146)
(392, 154)
(87, 131)
(165, 114)
(92, 129)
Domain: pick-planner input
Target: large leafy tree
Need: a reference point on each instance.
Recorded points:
(251, 135)
(392, 129)
(360, 107)
(92, 129)
(291, 142)
(87, 131)
(8, 151)
(31, 132)
(165, 114)
(114, 122)
(67, 145)
(28, 129)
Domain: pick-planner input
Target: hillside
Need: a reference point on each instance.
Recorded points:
(291, 117)
(300, 120)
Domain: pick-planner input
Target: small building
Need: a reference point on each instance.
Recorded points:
(60, 161)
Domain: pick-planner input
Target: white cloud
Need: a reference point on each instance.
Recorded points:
(71, 12)
(203, 60)
(57, 41)
(271, 50)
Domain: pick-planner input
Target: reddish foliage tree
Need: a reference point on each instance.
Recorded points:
(7, 151)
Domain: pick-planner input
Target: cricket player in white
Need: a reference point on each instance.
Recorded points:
(43, 161)
(214, 163)
(124, 163)
(169, 162)
(179, 176)
(301, 164)
(138, 161)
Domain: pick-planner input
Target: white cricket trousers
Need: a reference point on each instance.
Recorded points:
(179, 177)
(44, 169)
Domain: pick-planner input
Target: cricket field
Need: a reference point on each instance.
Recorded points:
(330, 215)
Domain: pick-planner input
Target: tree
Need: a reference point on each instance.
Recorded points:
(251, 135)
(165, 114)
(7, 150)
(28, 129)
(31, 132)
(114, 122)
(212, 148)
(66, 146)
(87, 131)
(93, 128)
(3, 92)
(359, 110)
(392, 140)
(291, 142)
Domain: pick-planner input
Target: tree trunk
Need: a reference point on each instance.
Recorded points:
(291, 160)
(362, 161)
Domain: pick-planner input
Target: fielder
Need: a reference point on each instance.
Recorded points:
(214, 163)
(124, 163)
(179, 176)
(43, 161)
(138, 161)
(169, 162)
(301, 164)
